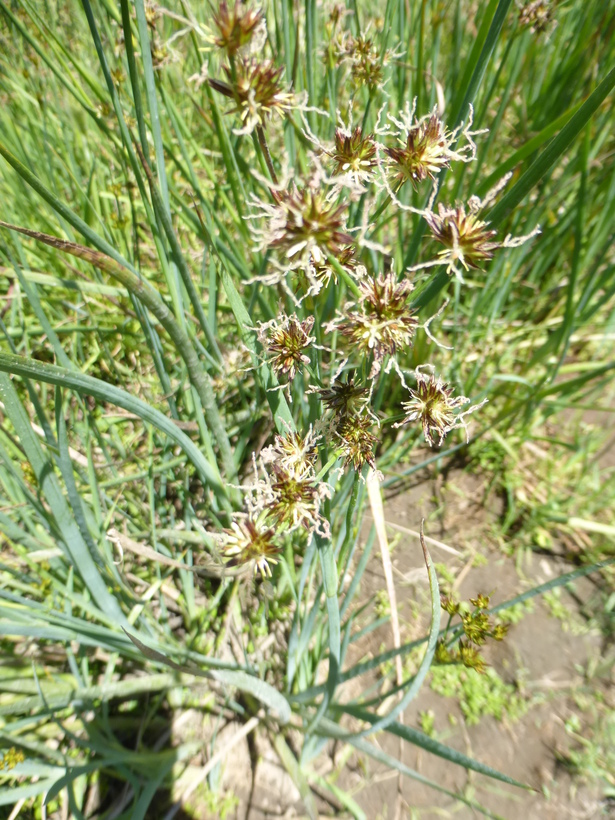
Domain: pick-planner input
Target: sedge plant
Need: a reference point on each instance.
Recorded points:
(254, 260)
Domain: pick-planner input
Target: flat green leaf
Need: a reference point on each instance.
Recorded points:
(373, 751)
(72, 541)
(90, 386)
(553, 151)
(430, 745)
(242, 680)
(417, 681)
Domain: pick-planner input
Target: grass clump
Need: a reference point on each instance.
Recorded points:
(479, 694)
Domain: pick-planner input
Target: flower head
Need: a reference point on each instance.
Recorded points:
(11, 758)
(536, 15)
(257, 90)
(286, 493)
(296, 499)
(470, 656)
(354, 155)
(356, 441)
(250, 540)
(365, 62)
(285, 342)
(304, 225)
(344, 398)
(295, 453)
(434, 405)
(426, 149)
(385, 322)
(466, 238)
(236, 26)
(324, 271)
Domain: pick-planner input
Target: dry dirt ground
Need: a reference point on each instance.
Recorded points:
(544, 657)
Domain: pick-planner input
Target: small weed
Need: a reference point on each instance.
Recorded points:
(479, 695)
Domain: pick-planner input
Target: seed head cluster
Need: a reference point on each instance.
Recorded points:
(304, 226)
(256, 87)
(284, 497)
(425, 151)
(236, 26)
(467, 239)
(433, 404)
(536, 15)
(354, 155)
(381, 322)
(477, 628)
(319, 234)
(285, 342)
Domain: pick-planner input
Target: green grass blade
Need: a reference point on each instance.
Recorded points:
(249, 684)
(333, 730)
(553, 151)
(431, 745)
(74, 545)
(417, 682)
(88, 385)
(484, 44)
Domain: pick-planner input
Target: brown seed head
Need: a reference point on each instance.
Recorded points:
(384, 322)
(466, 238)
(257, 91)
(285, 342)
(306, 224)
(366, 65)
(295, 453)
(471, 657)
(356, 441)
(354, 154)
(433, 404)
(295, 501)
(537, 15)
(426, 151)
(236, 26)
(345, 398)
(247, 541)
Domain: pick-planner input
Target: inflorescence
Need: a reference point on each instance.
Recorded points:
(318, 230)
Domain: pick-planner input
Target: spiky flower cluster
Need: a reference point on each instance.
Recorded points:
(256, 87)
(315, 232)
(467, 239)
(477, 627)
(237, 26)
(345, 398)
(283, 498)
(304, 226)
(434, 405)
(285, 342)
(322, 272)
(356, 440)
(350, 421)
(536, 15)
(425, 146)
(424, 152)
(382, 321)
(354, 155)
(11, 758)
(250, 541)
(365, 62)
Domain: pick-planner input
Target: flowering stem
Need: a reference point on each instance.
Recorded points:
(262, 141)
(349, 535)
(350, 283)
(329, 575)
